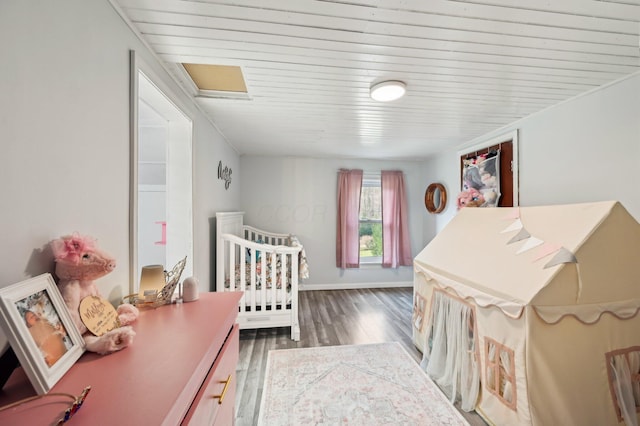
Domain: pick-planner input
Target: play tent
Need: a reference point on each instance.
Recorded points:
(531, 315)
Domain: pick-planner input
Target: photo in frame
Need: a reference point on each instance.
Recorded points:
(40, 330)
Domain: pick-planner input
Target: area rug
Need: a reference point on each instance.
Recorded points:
(375, 384)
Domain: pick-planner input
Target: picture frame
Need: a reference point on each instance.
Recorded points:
(40, 330)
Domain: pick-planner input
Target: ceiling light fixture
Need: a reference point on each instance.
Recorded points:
(386, 91)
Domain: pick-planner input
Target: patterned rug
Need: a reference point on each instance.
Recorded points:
(375, 384)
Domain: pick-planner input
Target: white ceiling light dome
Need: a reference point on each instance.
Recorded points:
(386, 91)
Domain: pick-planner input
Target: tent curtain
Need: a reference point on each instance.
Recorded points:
(505, 384)
(348, 223)
(449, 356)
(396, 249)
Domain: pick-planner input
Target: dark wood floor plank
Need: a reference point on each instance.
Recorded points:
(327, 318)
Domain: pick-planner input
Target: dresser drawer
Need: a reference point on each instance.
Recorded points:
(215, 402)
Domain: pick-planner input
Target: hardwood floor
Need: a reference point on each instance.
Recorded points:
(327, 318)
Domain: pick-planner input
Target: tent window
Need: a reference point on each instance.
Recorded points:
(623, 368)
(419, 304)
(500, 372)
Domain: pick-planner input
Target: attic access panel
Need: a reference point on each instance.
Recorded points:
(216, 78)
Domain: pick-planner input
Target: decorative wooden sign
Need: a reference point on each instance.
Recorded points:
(98, 315)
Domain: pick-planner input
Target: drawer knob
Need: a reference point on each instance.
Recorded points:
(224, 390)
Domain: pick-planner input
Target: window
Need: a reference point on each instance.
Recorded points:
(623, 368)
(369, 208)
(370, 221)
(419, 305)
(500, 372)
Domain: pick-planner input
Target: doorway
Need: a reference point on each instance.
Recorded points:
(162, 206)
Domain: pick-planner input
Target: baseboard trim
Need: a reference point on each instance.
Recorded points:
(353, 286)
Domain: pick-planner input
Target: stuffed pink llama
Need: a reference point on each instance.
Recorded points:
(78, 264)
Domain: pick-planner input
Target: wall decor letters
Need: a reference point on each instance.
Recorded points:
(224, 174)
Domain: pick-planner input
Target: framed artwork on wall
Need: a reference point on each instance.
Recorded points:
(490, 168)
(40, 330)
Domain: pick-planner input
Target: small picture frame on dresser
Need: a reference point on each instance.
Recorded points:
(35, 320)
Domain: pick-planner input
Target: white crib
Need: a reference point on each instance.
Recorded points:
(247, 257)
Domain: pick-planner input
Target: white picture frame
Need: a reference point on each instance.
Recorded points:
(40, 330)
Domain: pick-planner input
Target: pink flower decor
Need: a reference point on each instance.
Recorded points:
(70, 247)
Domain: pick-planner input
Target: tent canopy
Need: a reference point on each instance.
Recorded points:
(477, 255)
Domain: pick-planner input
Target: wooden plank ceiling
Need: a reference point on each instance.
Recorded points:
(470, 66)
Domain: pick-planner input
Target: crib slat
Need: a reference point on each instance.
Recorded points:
(294, 284)
(232, 266)
(243, 278)
(252, 286)
(285, 282)
(274, 279)
(263, 280)
(229, 276)
(295, 326)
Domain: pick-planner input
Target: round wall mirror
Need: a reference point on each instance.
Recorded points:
(435, 198)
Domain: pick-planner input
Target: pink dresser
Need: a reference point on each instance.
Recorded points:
(182, 361)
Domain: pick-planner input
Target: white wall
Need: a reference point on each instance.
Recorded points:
(210, 196)
(443, 169)
(64, 133)
(299, 195)
(582, 150)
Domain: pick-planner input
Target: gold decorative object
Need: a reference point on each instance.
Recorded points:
(163, 296)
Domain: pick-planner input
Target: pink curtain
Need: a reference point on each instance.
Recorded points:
(396, 249)
(348, 223)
